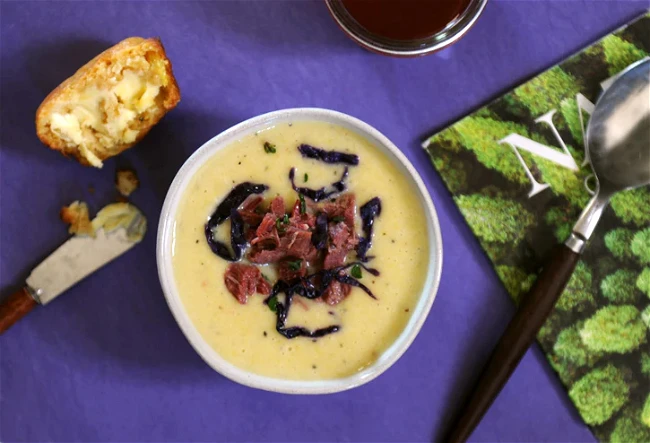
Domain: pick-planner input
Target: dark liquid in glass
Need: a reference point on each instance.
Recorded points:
(405, 19)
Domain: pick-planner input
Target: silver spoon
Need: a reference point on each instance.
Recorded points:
(618, 141)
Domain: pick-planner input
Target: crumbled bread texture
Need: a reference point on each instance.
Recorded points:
(109, 218)
(76, 215)
(126, 181)
(110, 103)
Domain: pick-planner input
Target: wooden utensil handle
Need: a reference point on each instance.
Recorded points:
(517, 338)
(14, 308)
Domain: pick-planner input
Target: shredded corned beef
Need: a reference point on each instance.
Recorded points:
(245, 280)
(336, 293)
(250, 234)
(286, 238)
(309, 247)
(277, 206)
(341, 209)
(249, 210)
(265, 256)
(292, 269)
(281, 236)
(342, 240)
(301, 221)
(266, 233)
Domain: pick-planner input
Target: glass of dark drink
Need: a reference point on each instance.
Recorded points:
(405, 28)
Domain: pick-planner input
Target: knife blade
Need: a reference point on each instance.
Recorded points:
(73, 261)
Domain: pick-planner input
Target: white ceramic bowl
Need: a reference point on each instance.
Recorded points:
(164, 258)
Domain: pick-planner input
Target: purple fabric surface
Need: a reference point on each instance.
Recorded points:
(106, 361)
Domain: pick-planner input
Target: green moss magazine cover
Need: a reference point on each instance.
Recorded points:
(518, 172)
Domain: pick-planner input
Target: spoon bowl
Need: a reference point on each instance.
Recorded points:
(618, 134)
(618, 141)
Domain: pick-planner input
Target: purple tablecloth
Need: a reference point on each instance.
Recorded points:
(106, 361)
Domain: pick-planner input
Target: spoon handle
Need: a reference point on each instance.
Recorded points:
(517, 338)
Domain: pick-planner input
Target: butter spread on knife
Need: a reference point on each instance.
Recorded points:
(115, 230)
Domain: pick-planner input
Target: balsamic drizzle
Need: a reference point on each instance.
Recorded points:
(228, 209)
(368, 212)
(322, 193)
(306, 287)
(237, 239)
(282, 312)
(319, 236)
(331, 157)
(232, 201)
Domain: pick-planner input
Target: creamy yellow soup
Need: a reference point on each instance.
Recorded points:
(245, 335)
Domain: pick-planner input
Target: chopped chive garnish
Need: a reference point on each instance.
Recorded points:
(269, 148)
(303, 204)
(356, 271)
(306, 177)
(266, 278)
(282, 221)
(273, 303)
(295, 265)
(338, 218)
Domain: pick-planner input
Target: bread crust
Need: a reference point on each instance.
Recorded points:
(86, 75)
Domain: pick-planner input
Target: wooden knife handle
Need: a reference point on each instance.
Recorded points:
(518, 336)
(14, 308)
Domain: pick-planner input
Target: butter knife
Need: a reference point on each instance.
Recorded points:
(74, 260)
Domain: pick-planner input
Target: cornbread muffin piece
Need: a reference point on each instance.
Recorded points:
(110, 103)
(76, 215)
(126, 181)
